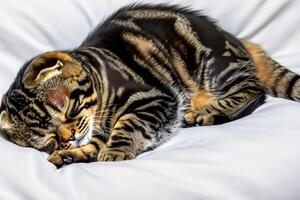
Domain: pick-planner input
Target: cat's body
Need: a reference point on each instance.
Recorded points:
(142, 74)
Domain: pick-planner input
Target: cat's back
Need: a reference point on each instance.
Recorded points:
(158, 20)
(166, 44)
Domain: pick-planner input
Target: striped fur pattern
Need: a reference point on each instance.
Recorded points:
(142, 74)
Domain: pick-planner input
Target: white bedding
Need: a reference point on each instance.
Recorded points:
(257, 157)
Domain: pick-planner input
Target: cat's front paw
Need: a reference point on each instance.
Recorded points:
(58, 160)
(197, 119)
(115, 155)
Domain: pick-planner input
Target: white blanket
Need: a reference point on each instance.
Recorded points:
(257, 157)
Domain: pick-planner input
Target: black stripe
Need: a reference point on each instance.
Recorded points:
(213, 107)
(39, 133)
(84, 127)
(147, 100)
(201, 70)
(154, 126)
(278, 77)
(74, 112)
(237, 98)
(119, 137)
(77, 92)
(127, 128)
(170, 69)
(237, 81)
(83, 82)
(53, 107)
(227, 102)
(91, 59)
(103, 138)
(221, 105)
(117, 144)
(234, 102)
(41, 106)
(146, 117)
(89, 104)
(291, 84)
(95, 144)
(148, 77)
(252, 89)
(142, 130)
(79, 122)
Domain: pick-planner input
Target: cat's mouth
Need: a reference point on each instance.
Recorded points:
(83, 140)
(52, 144)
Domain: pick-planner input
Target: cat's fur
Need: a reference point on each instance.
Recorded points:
(142, 74)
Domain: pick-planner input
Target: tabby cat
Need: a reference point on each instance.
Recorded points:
(138, 77)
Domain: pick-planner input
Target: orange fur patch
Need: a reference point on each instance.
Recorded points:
(143, 45)
(180, 68)
(59, 55)
(201, 99)
(258, 55)
(72, 70)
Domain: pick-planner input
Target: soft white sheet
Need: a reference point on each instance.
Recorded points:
(256, 157)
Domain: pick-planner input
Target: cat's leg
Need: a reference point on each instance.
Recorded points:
(222, 110)
(86, 153)
(148, 125)
(122, 142)
(145, 127)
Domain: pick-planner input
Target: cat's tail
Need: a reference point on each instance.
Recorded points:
(277, 80)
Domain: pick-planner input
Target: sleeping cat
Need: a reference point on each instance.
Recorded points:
(138, 77)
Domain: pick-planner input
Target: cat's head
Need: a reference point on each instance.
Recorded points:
(50, 105)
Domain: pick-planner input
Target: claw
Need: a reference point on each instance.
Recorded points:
(112, 155)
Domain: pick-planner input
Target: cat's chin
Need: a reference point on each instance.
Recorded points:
(77, 143)
(85, 139)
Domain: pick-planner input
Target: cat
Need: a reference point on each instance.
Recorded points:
(134, 81)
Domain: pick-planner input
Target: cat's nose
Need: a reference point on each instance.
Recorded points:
(73, 132)
(71, 137)
(66, 134)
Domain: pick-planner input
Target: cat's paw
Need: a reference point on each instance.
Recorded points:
(58, 160)
(195, 119)
(115, 155)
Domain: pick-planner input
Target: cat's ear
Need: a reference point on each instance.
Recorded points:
(44, 66)
(7, 130)
(5, 121)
